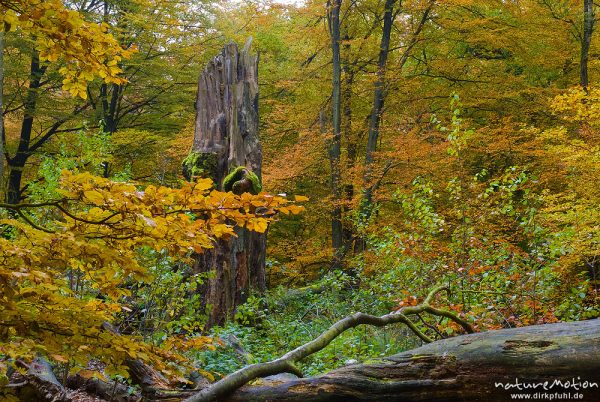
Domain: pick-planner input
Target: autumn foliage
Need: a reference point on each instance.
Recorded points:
(481, 174)
(63, 278)
(87, 48)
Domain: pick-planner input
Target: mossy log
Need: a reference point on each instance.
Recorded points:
(464, 368)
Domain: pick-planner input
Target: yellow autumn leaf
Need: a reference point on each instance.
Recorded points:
(222, 230)
(94, 196)
(259, 225)
(203, 184)
(59, 358)
(295, 209)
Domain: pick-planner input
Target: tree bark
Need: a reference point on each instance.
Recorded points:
(464, 368)
(474, 367)
(226, 137)
(39, 383)
(335, 144)
(377, 109)
(287, 362)
(109, 391)
(379, 94)
(2, 139)
(586, 39)
(17, 163)
(349, 70)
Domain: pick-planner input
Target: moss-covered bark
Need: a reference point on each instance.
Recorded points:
(200, 164)
(240, 180)
(287, 363)
(464, 368)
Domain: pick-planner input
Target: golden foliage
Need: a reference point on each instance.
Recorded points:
(61, 33)
(94, 240)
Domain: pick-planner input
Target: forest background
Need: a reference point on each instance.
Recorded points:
(449, 142)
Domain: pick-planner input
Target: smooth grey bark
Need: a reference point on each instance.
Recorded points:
(379, 92)
(379, 95)
(16, 164)
(377, 109)
(335, 144)
(226, 137)
(351, 147)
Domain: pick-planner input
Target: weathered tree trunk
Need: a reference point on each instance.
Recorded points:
(487, 366)
(464, 368)
(39, 383)
(225, 138)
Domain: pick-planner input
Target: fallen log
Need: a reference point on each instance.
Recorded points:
(101, 390)
(39, 384)
(557, 359)
(153, 385)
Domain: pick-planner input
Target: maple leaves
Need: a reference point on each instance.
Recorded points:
(91, 238)
(87, 48)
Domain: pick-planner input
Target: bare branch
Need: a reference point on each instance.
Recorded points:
(286, 363)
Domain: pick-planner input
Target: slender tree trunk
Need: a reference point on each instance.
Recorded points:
(335, 145)
(226, 137)
(17, 163)
(366, 207)
(351, 147)
(377, 109)
(109, 115)
(109, 107)
(2, 139)
(586, 38)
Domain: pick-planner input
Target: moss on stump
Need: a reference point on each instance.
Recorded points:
(242, 180)
(200, 164)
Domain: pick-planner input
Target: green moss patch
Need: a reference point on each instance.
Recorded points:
(238, 174)
(200, 164)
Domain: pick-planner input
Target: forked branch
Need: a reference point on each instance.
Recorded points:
(287, 362)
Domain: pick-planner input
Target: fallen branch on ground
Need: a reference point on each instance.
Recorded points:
(287, 363)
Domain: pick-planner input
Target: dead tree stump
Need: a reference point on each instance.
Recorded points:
(227, 149)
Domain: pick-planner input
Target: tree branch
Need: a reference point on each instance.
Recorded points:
(286, 363)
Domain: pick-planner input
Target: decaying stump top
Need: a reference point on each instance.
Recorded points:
(227, 111)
